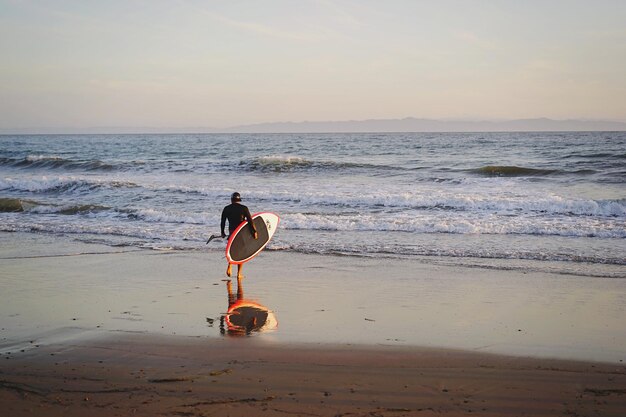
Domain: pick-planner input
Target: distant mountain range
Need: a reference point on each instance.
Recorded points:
(409, 124)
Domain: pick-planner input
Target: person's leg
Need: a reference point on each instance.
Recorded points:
(229, 269)
(239, 268)
(239, 288)
(229, 290)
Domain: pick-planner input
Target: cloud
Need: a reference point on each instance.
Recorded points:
(260, 29)
(319, 34)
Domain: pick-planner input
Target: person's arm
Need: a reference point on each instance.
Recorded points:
(223, 223)
(251, 223)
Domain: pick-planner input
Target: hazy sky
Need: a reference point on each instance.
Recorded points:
(189, 63)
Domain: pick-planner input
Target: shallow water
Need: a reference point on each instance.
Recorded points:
(65, 291)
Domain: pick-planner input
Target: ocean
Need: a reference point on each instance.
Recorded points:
(551, 202)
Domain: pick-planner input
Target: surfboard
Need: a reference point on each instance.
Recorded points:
(242, 246)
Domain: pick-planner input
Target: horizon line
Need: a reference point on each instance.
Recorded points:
(436, 126)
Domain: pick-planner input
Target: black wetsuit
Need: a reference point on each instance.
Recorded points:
(236, 214)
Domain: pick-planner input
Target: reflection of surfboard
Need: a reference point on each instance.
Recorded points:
(247, 316)
(242, 246)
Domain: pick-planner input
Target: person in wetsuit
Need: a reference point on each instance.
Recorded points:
(236, 213)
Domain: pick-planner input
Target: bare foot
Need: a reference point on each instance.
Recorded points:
(229, 270)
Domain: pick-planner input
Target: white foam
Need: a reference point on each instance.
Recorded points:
(171, 216)
(497, 201)
(40, 184)
(281, 160)
(456, 223)
(36, 158)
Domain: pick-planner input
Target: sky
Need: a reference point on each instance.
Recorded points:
(192, 63)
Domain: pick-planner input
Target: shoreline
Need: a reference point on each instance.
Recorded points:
(315, 299)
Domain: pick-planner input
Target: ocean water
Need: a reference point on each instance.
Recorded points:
(529, 201)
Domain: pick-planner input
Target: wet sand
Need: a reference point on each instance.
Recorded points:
(90, 330)
(148, 375)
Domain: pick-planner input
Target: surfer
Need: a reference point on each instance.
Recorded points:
(236, 213)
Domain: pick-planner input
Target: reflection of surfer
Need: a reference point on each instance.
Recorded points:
(236, 213)
(245, 316)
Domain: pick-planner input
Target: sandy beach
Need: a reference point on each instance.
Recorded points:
(97, 330)
(171, 376)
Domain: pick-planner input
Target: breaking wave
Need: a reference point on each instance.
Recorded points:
(56, 162)
(60, 184)
(11, 205)
(512, 171)
(16, 205)
(286, 163)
